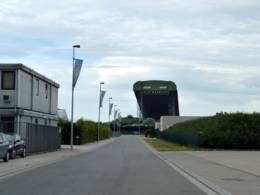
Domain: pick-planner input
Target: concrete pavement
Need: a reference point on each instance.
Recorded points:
(125, 166)
(236, 172)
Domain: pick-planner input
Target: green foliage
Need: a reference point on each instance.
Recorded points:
(227, 131)
(150, 133)
(150, 122)
(85, 131)
(65, 131)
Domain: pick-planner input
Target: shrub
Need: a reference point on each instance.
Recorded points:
(228, 131)
(85, 131)
(150, 133)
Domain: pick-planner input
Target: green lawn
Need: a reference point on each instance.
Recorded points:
(162, 145)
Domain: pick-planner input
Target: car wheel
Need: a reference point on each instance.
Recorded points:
(23, 153)
(13, 154)
(6, 158)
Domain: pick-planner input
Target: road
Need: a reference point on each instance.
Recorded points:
(125, 166)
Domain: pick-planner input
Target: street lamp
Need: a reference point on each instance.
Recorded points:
(117, 126)
(72, 97)
(109, 113)
(99, 106)
(114, 123)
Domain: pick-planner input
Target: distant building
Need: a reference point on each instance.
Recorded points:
(157, 98)
(62, 114)
(26, 97)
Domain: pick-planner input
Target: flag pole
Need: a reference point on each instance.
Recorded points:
(99, 105)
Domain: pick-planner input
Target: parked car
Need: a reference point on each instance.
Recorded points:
(5, 147)
(18, 146)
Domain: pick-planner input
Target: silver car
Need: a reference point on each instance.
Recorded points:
(5, 146)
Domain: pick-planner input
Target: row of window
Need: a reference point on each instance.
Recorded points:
(8, 83)
(45, 122)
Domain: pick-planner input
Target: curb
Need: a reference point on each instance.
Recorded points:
(202, 183)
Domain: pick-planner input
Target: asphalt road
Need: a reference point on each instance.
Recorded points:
(122, 167)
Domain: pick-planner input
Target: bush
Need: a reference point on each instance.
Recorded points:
(85, 131)
(150, 133)
(228, 131)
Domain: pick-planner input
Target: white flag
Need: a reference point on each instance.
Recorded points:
(102, 94)
(110, 108)
(76, 70)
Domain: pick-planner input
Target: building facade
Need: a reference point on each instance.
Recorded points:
(26, 97)
(157, 98)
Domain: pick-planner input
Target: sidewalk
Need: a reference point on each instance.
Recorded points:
(19, 165)
(237, 172)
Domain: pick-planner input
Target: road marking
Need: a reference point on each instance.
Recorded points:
(199, 181)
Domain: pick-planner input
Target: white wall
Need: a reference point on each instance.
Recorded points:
(168, 121)
(24, 90)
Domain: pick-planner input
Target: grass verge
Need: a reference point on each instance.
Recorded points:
(163, 146)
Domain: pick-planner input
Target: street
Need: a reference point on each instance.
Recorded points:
(125, 166)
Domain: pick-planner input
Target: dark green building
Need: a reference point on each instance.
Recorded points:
(157, 98)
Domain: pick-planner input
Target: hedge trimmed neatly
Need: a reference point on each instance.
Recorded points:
(85, 131)
(228, 131)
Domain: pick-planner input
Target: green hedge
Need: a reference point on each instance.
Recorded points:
(228, 131)
(150, 133)
(85, 131)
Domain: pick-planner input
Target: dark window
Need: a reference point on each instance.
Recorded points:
(45, 122)
(7, 124)
(46, 90)
(37, 87)
(8, 79)
(36, 121)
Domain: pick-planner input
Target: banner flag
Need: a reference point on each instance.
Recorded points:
(76, 70)
(115, 113)
(102, 94)
(110, 108)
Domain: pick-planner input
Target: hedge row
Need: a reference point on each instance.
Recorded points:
(85, 131)
(228, 131)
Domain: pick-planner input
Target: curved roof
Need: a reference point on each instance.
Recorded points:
(154, 85)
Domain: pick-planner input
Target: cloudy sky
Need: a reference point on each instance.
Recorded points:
(210, 49)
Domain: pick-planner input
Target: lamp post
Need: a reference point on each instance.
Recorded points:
(117, 126)
(114, 124)
(72, 97)
(109, 113)
(99, 106)
(119, 129)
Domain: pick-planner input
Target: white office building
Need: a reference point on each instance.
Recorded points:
(26, 97)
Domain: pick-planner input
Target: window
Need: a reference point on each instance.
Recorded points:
(46, 90)
(8, 79)
(45, 122)
(7, 124)
(37, 87)
(36, 121)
